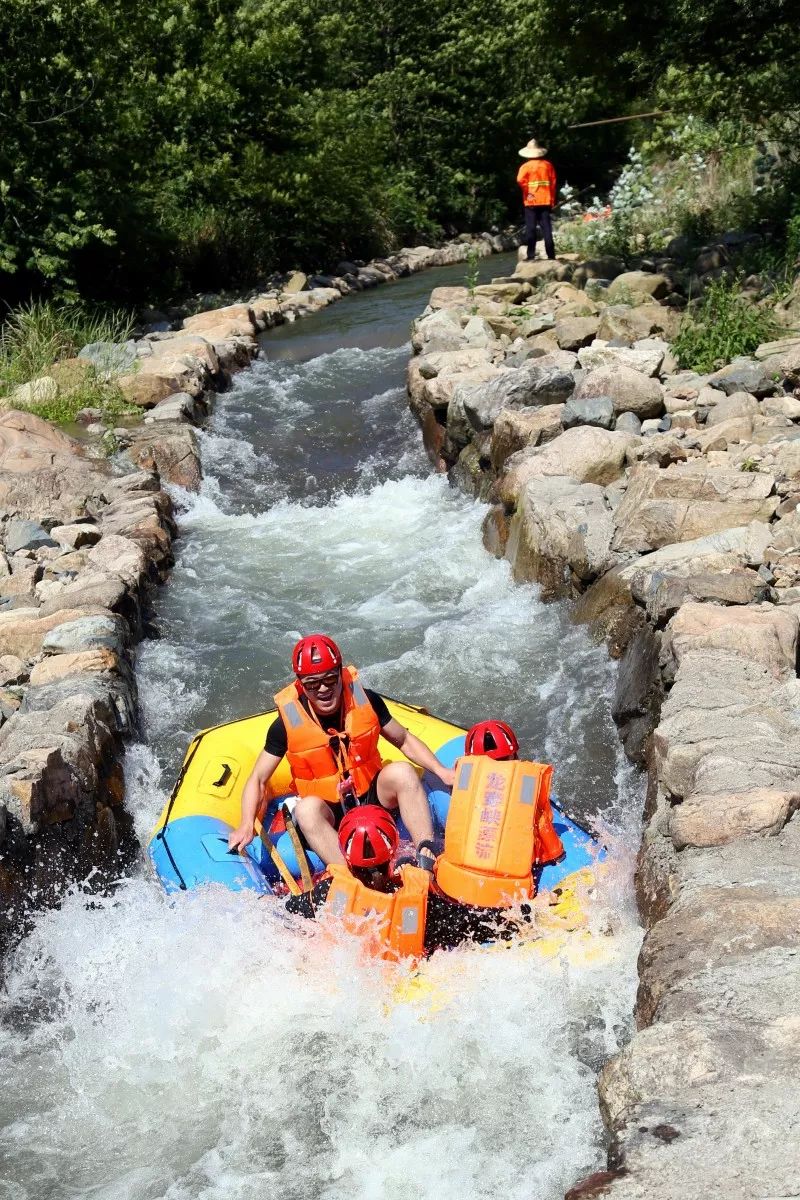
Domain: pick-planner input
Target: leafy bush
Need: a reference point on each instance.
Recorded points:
(721, 325)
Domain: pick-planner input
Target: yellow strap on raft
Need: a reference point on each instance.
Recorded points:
(280, 866)
(299, 850)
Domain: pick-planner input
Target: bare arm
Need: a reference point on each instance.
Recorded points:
(416, 751)
(252, 792)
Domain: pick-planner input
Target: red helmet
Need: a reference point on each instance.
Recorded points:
(367, 836)
(494, 738)
(316, 655)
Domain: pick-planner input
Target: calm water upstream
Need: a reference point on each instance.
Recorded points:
(209, 1048)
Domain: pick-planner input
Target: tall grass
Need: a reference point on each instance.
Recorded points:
(36, 335)
(721, 326)
(44, 332)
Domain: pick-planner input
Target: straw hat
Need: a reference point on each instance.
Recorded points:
(533, 150)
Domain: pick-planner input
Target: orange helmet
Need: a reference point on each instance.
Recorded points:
(367, 836)
(493, 738)
(316, 655)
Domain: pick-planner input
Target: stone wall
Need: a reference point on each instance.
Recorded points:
(667, 505)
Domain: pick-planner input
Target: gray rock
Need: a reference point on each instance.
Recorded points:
(180, 406)
(527, 385)
(744, 375)
(630, 390)
(628, 422)
(87, 633)
(111, 358)
(26, 535)
(589, 410)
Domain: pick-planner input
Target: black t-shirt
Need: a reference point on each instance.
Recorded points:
(276, 734)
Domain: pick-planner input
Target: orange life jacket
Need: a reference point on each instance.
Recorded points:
(316, 769)
(490, 835)
(393, 923)
(537, 178)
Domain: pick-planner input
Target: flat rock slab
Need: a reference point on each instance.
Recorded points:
(686, 501)
(766, 634)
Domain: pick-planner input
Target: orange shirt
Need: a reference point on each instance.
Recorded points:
(537, 178)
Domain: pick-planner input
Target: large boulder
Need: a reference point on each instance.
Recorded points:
(589, 410)
(630, 390)
(645, 355)
(731, 406)
(561, 534)
(687, 501)
(516, 428)
(631, 286)
(440, 330)
(574, 332)
(522, 387)
(766, 634)
(744, 375)
(585, 454)
(621, 323)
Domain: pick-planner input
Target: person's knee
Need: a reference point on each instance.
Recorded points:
(309, 810)
(396, 779)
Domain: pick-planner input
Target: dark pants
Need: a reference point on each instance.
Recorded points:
(541, 215)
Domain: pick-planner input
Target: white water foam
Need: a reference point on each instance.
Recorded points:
(210, 1048)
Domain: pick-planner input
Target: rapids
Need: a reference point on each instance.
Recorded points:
(208, 1047)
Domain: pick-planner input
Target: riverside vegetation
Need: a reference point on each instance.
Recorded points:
(147, 152)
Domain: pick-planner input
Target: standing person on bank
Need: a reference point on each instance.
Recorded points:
(537, 179)
(328, 727)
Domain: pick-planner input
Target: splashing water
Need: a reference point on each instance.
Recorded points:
(210, 1047)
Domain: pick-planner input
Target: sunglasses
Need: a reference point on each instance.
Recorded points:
(320, 683)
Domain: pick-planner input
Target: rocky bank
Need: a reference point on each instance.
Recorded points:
(667, 505)
(86, 531)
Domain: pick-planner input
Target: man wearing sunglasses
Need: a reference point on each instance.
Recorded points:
(328, 728)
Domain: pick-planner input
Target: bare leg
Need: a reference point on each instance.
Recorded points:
(315, 818)
(400, 787)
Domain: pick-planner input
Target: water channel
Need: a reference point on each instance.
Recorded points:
(209, 1047)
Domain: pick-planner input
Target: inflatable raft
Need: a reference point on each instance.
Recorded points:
(189, 846)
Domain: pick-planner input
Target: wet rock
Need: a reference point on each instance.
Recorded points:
(687, 501)
(639, 693)
(630, 390)
(25, 535)
(589, 410)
